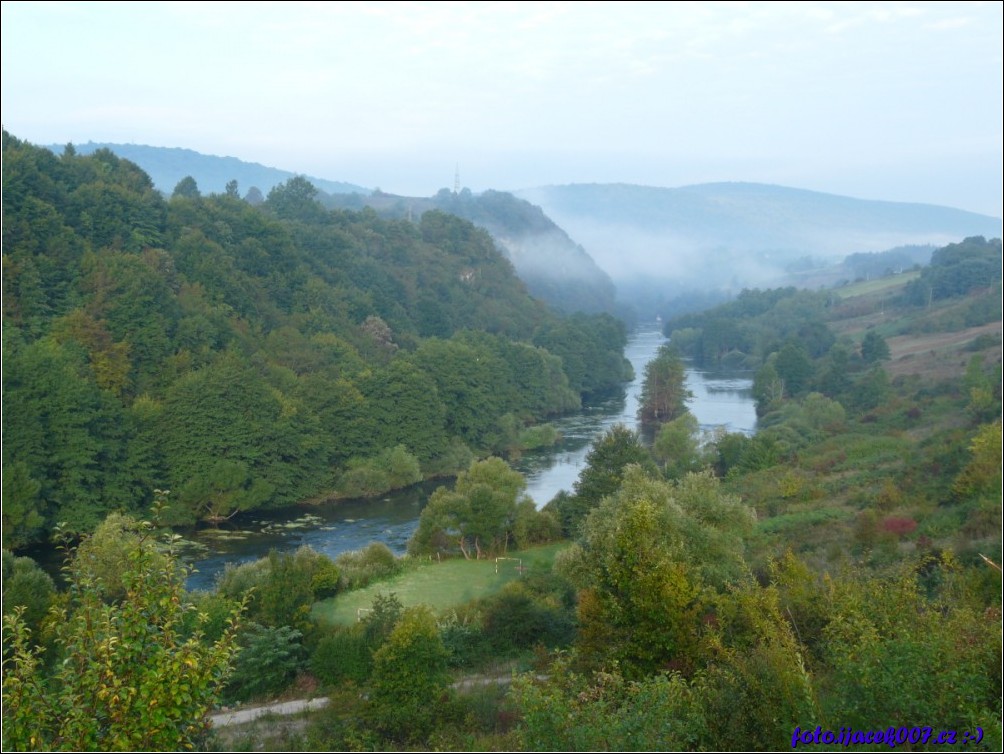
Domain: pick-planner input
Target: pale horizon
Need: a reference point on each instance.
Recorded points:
(885, 101)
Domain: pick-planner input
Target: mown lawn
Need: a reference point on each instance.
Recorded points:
(439, 585)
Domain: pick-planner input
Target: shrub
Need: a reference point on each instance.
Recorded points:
(342, 655)
(898, 525)
(361, 567)
(268, 661)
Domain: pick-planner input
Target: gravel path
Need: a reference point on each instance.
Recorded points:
(236, 717)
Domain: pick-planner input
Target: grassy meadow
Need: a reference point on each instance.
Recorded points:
(440, 585)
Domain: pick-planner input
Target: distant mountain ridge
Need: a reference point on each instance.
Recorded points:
(715, 233)
(168, 165)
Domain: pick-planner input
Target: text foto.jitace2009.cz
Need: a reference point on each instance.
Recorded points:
(891, 736)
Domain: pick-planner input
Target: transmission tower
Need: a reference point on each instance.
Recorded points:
(456, 180)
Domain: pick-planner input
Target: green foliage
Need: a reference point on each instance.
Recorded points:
(663, 392)
(281, 587)
(242, 355)
(982, 475)
(294, 200)
(534, 527)
(187, 188)
(794, 368)
(127, 679)
(65, 442)
(754, 325)
(102, 558)
(521, 617)
(409, 678)
(874, 348)
(21, 518)
(477, 516)
(757, 689)
(676, 446)
(984, 390)
(381, 618)
(610, 455)
(871, 390)
(648, 554)
(957, 269)
(267, 662)
(392, 469)
(606, 713)
(342, 654)
(26, 587)
(375, 562)
(892, 652)
(591, 348)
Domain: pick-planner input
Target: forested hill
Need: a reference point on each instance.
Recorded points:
(167, 166)
(255, 356)
(555, 268)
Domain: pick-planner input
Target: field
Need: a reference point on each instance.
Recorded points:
(439, 585)
(876, 285)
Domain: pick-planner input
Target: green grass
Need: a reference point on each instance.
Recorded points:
(878, 284)
(438, 585)
(803, 519)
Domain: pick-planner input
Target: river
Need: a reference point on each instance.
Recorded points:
(720, 399)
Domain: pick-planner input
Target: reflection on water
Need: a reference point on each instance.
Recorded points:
(720, 399)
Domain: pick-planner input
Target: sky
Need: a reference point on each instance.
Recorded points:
(877, 100)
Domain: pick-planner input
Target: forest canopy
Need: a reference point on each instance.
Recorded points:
(253, 356)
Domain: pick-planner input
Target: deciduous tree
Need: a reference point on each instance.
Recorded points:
(128, 677)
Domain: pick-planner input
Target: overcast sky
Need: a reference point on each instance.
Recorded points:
(895, 101)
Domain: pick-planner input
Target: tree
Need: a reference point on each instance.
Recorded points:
(409, 677)
(478, 514)
(296, 199)
(187, 188)
(28, 588)
(874, 348)
(664, 394)
(648, 558)
(254, 197)
(602, 476)
(128, 677)
(794, 367)
(677, 446)
(231, 189)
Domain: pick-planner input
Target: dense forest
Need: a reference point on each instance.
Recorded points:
(255, 356)
(832, 581)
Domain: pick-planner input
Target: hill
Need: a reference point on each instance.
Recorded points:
(735, 235)
(166, 166)
(555, 268)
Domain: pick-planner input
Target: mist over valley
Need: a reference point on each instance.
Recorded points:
(640, 251)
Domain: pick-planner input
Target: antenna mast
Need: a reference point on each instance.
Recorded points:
(456, 180)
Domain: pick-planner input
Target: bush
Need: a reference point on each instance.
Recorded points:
(464, 639)
(374, 562)
(268, 661)
(517, 619)
(26, 585)
(283, 586)
(391, 469)
(342, 655)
